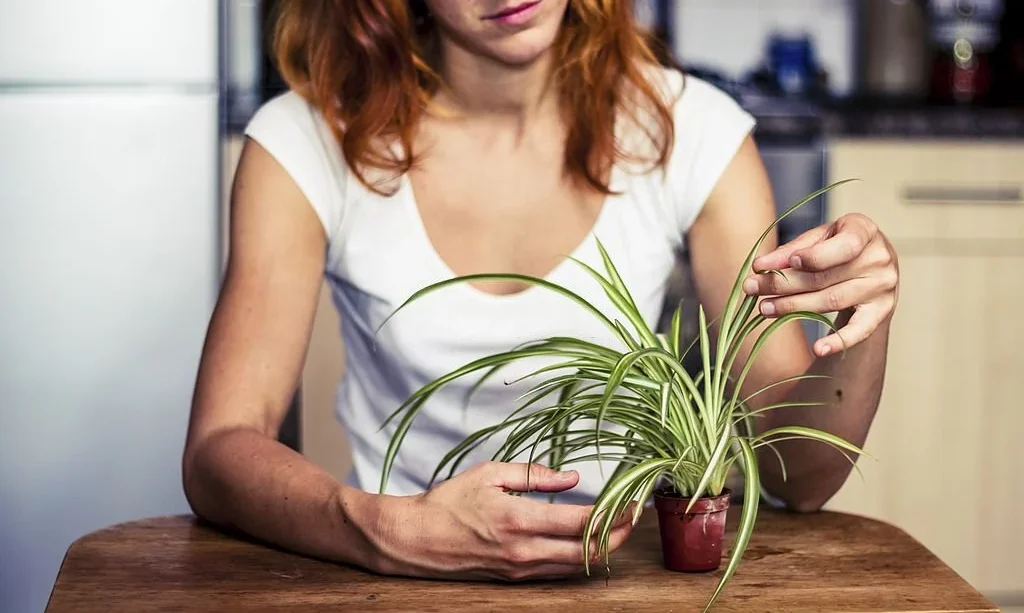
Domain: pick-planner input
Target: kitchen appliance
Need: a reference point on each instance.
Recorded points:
(965, 34)
(793, 65)
(790, 67)
(111, 120)
(894, 50)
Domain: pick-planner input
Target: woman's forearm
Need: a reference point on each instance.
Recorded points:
(466, 527)
(851, 392)
(243, 480)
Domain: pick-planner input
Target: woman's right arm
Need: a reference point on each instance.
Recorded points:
(236, 474)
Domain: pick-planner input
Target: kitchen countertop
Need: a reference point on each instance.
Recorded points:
(811, 562)
(853, 120)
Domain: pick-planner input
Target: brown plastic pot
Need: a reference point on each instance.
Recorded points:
(691, 542)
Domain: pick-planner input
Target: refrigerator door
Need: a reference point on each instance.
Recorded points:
(109, 242)
(66, 42)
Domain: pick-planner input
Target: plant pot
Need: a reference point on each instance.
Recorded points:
(691, 542)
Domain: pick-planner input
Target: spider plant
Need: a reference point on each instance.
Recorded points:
(638, 406)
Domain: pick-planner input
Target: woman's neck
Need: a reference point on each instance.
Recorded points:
(479, 87)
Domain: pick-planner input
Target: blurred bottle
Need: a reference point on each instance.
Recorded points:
(965, 34)
(894, 49)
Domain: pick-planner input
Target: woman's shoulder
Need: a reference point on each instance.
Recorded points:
(294, 132)
(288, 115)
(709, 126)
(286, 103)
(692, 98)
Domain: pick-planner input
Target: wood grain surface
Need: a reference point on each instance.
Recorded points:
(795, 563)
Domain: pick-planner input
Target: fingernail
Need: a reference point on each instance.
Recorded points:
(767, 308)
(795, 261)
(825, 350)
(750, 285)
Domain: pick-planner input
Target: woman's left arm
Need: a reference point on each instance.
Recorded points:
(847, 267)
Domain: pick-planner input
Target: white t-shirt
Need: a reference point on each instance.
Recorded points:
(379, 254)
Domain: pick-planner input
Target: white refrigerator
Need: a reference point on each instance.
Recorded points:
(110, 260)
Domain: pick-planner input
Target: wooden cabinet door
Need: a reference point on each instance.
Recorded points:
(946, 464)
(933, 191)
(947, 461)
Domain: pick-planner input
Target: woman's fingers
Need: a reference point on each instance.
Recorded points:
(539, 518)
(845, 241)
(863, 322)
(568, 550)
(826, 246)
(834, 298)
(519, 477)
(546, 557)
(850, 270)
(568, 520)
(780, 257)
(788, 282)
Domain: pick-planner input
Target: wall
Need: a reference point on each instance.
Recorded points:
(730, 35)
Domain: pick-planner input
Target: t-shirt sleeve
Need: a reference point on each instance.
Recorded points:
(710, 127)
(293, 132)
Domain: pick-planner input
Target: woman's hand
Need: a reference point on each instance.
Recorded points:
(847, 267)
(469, 528)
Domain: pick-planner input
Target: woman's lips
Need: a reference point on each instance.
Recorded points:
(521, 13)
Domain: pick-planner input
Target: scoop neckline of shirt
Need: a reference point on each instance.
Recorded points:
(587, 242)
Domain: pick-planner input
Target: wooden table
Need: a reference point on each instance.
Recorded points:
(795, 563)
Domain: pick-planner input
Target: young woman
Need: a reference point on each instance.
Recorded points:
(427, 139)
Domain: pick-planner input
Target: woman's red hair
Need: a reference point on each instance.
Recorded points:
(364, 65)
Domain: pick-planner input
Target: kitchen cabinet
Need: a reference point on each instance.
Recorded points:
(946, 461)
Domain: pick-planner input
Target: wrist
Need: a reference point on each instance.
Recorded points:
(372, 521)
(357, 517)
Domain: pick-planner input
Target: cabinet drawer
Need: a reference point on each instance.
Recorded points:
(932, 190)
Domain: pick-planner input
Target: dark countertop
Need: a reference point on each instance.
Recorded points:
(782, 117)
(923, 122)
(799, 120)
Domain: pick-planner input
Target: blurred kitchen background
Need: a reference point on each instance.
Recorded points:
(120, 127)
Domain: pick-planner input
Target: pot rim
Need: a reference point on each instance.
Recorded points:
(666, 500)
